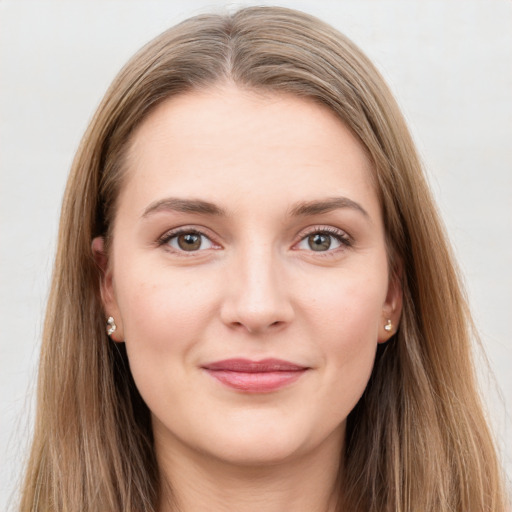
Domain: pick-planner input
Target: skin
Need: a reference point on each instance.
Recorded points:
(253, 288)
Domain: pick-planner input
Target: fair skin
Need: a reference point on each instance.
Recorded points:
(248, 228)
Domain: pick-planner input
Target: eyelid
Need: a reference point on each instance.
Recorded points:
(342, 236)
(172, 233)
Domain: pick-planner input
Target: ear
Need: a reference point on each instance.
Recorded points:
(108, 298)
(392, 308)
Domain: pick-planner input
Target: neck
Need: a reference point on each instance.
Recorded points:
(193, 481)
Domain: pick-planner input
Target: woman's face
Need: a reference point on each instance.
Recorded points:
(248, 274)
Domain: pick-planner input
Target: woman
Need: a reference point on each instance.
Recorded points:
(254, 305)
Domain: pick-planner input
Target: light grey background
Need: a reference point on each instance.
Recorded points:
(449, 63)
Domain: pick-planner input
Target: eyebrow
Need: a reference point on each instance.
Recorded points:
(304, 208)
(327, 205)
(184, 206)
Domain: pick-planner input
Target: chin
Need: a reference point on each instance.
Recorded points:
(267, 442)
(256, 453)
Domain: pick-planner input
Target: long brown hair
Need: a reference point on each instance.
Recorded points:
(417, 440)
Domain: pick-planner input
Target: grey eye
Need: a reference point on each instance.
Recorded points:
(323, 241)
(319, 242)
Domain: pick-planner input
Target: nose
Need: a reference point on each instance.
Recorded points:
(257, 298)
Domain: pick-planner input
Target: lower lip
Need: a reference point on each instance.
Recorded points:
(259, 382)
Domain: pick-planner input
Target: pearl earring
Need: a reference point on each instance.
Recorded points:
(389, 326)
(111, 325)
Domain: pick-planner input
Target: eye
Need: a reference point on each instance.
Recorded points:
(188, 241)
(323, 241)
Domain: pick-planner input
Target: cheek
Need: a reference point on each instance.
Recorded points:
(163, 315)
(347, 306)
(345, 316)
(161, 300)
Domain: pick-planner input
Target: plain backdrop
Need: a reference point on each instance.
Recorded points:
(448, 62)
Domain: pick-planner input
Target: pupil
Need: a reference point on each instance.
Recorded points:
(189, 242)
(319, 242)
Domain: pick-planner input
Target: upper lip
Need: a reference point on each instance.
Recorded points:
(247, 366)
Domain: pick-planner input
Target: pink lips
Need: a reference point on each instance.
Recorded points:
(255, 376)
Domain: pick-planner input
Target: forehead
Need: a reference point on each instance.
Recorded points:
(226, 141)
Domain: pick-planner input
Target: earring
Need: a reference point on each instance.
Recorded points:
(389, 326)
(111, 325)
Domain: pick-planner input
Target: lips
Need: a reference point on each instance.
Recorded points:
(255, 376)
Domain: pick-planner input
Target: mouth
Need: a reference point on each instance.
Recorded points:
(255, 376)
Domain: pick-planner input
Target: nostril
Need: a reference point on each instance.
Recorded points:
(256, 328)
(255, 314)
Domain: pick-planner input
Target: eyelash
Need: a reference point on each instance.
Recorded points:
(169, 235)
(339, 235)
